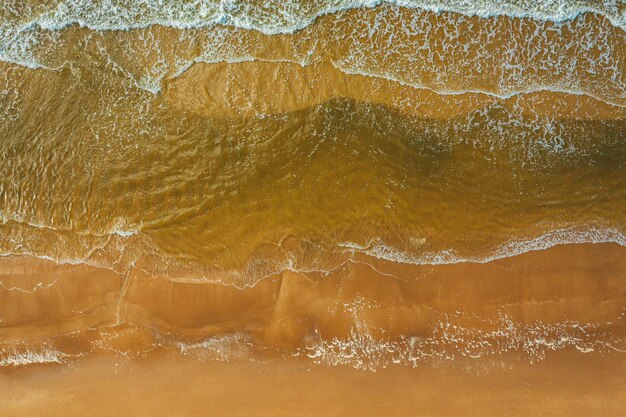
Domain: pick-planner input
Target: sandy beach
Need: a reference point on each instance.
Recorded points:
(312, 208)
(560, 348)
(171, 385)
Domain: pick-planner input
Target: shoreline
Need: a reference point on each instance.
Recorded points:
(226, 17)
(173, 385)
(339, 48)
(573, 295)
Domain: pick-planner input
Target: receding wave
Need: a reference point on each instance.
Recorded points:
(123, 255)
(42, 355)
(446, 52)
(574, 235)
(375, 173)
(359, 317)
(276, 17)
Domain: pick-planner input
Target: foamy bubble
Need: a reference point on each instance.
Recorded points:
(30, 357)
(222, 348)
(22, 35)
(573, 235)
(449, 341)
(278, 16)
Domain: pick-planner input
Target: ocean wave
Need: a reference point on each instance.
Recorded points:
(281, 17)
(30, 357)
(449, 341)
(35, 41)
(118, 227)
(569, 236)
(505, 94)
(258, 269)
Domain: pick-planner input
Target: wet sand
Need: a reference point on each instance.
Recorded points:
(583, 282)
(531, 331)
(166, 384)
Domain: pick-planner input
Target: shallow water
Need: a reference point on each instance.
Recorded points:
(254, 195)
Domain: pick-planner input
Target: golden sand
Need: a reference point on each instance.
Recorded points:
(163, 384)
(574, 283)
(119, 344)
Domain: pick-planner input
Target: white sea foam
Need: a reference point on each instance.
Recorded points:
(279, 16)
(118, 228)
(573, 235)
(505, 93)
(450, 341)
(35, 288)
(23, 31)
(222, 347)
(29, 357)
(259, 268)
